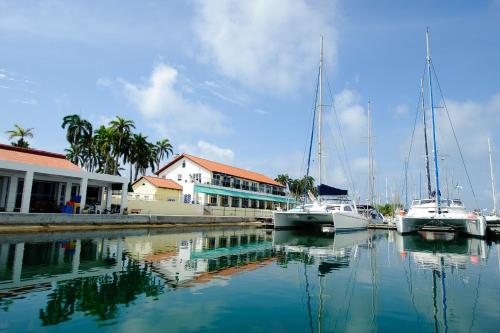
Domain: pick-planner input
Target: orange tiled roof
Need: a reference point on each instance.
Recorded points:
(226, 169)
(161, 182)
(37, 157)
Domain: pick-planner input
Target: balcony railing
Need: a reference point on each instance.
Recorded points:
(241, 186)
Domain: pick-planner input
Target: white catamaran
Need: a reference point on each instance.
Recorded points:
(435, 211)
(332, 207)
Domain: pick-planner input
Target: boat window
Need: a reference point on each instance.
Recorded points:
(347, 209)
(457, 202)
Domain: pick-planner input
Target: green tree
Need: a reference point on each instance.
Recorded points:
(123, 129)
(21, 133)
(162, 149)
(78, 131)
(283, 179)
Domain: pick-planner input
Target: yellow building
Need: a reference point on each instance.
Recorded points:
(154, 188)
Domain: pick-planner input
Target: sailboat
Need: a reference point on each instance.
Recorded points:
(332, 208)
(493, 218)
(434, 211)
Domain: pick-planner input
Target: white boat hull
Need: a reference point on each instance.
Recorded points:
(473, 226)
(340, 221)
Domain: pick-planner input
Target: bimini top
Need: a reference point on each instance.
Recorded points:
(324, 190)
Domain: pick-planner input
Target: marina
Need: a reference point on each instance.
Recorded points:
(249, 166)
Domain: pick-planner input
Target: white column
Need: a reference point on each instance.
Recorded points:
(67, 192)
(11, 196)
(123, 203)
(83, 193)
(3, 191)
(18, 262)
(26, 198)
(76, 256)
(109, 196)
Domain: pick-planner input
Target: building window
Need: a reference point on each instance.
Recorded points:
(213, 200)
(236, 183)
(183, 163)
(235, 202)
(216, 180)
(226, 181)
(187, 198)
(196, 177)
(179, 176)
(245, 185)
(262, 204)
(254, 187)
(253, 203)
(244, 203)
(224, 200)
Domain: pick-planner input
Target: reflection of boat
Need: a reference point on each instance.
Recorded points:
(437, 252)
(430, 248)
(318, 244)
(332, 207)
(434, 211)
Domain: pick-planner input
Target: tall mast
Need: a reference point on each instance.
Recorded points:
(427, 169)
(492, 180)
(436, 168)
(370, 157)
(320, 109)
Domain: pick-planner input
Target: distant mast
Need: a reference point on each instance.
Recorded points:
(320, 111)
(370, 157)
(492, 180)
(436, 168)
(427, 169)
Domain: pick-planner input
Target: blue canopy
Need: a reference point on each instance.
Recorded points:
(330, 190)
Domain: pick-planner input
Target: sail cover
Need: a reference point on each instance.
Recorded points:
(330, 190)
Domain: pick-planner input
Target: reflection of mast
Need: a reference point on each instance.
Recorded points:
(308, 295)
(444, 295)
(320, 311)
(434, 302)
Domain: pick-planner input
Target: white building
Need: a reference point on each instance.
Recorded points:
(216, 184)
(38, 181)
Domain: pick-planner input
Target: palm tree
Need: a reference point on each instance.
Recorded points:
(140, 154)
(21, 133)
(123, 129)
(77, 128)
(162, 149)
(283, 179)
(105, 138)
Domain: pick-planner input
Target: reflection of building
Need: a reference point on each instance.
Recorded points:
(216, 184)
(38, 181)
(24, 264)
(189, 257)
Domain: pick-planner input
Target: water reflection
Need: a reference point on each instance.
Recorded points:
(360, 281)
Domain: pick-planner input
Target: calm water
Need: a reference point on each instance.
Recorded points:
(248, 280)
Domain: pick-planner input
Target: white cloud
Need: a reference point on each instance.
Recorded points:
(271, 46)
(209, 151)
(162, 102)
(29, 101)
(401, 109)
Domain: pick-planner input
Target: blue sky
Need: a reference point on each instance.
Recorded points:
(234, 81)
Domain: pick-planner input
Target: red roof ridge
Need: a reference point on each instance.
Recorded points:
(160, 182)
(32, 151)
(252, 175)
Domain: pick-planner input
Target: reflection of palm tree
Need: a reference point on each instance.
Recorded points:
(21, 133)
(100, 296)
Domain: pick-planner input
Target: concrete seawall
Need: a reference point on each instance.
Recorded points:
(17, 222)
